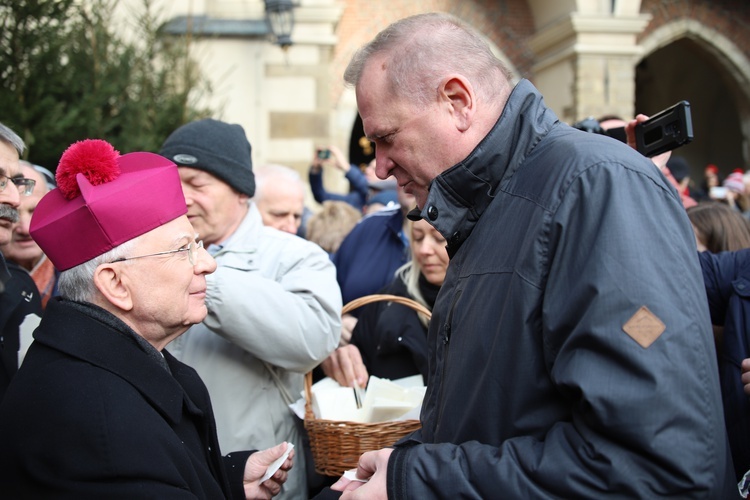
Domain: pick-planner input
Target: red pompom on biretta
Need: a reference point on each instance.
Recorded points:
(104, 199)
(94, 158)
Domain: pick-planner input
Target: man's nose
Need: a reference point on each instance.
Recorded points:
(188, 193)
(381, 166)
(425, 248)
(23, 224)
(289, 224)
(10, 195)
(205, 263)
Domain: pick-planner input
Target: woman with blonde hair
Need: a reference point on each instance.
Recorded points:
(390, 339)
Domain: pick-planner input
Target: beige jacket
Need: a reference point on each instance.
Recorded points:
(273, 298)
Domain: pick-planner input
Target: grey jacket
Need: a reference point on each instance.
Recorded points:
(273, 298)
(557, 239)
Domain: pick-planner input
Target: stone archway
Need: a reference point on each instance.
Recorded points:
(688, 60)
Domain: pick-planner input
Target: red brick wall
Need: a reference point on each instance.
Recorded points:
(731, 18)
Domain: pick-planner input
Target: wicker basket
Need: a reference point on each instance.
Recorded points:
(337, 445)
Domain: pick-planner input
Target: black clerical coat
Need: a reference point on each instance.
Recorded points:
(18, 298)
(91, 415)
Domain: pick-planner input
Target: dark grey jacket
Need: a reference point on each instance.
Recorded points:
(558, 238)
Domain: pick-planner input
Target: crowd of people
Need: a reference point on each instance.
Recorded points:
(590, 326)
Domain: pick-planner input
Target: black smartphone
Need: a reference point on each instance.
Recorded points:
(665, 131)
(324, 154)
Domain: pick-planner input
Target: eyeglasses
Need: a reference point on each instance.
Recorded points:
(25, 186)
(191, 249)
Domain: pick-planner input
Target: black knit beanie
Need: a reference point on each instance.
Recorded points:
(219, 148)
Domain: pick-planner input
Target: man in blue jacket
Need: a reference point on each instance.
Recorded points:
(570, 347)
(727, 278)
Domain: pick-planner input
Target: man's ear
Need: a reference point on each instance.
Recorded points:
(458, 93)
(112, 283)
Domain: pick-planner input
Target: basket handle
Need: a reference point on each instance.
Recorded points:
(381, 297)
(354, 304)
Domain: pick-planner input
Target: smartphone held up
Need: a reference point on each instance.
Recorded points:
(665, 131)
(662, 132)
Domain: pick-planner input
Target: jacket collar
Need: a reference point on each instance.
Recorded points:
(71, 331)
(247, 233)
(460, 195)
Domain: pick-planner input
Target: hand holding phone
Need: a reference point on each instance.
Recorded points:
(665, 131)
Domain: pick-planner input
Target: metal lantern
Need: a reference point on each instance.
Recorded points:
(280, 20)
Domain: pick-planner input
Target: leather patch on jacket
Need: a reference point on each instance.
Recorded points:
(644, 327)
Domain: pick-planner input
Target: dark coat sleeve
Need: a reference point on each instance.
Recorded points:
(19, 299)
(725, 274)
(727, 279)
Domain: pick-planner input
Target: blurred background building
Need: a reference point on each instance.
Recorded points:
(588, 58)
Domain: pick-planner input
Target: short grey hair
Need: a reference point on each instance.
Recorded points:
(13, 139)
(423, 49)
(77, 283)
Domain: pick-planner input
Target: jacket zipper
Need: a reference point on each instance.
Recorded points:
(447, 330)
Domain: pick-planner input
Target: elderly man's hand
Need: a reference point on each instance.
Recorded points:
(256, 466)
(346, 367)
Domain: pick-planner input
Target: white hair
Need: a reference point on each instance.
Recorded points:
(77, 283)
(11, 138)
(272, 173)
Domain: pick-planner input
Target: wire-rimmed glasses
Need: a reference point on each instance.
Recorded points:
(191, 249)
(25, 186)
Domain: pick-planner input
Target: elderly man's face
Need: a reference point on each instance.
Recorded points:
(214, 208)
(413, 144)
(22, 249)
(281, 205)
(168, 292)
(10, 198)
